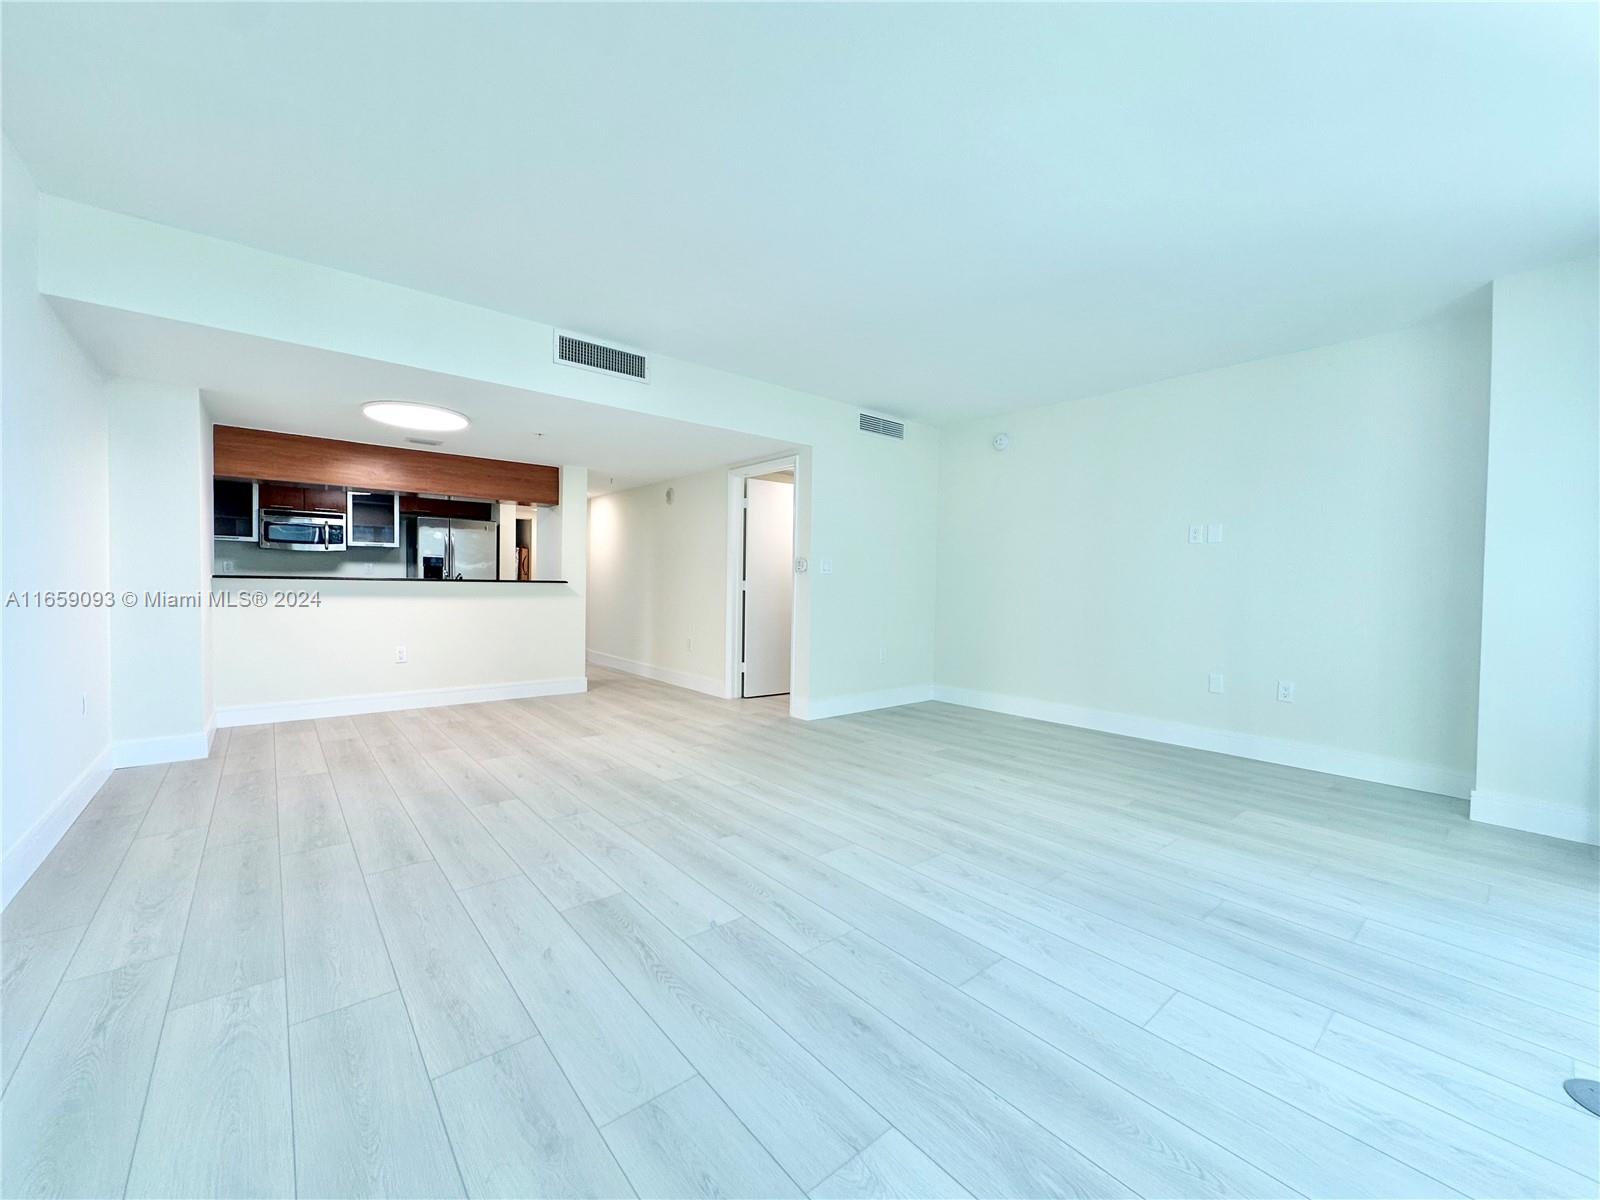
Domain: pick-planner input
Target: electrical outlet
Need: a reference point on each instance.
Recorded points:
(400, 655)
(1214, 683)
(1197, 534)
(1285, 692)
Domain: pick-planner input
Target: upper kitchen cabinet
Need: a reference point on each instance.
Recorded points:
(235, 504)
(374, 518)
(262, 454)
(303, 497)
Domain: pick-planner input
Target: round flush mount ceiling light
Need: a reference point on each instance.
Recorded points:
(405, 415)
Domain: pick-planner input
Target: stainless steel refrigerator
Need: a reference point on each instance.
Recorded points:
(457, 549)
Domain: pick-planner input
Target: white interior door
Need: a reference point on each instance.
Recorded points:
(768, 609)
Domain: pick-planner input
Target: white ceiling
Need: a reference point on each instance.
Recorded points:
(263, 384)
(930, 210)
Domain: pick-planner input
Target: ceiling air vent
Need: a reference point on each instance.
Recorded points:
(593, 356)
(882, 426)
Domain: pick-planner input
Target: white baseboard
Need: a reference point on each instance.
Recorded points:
(840, 706)
(373, 702)
(1573, 822)
(711, 686)
(1352, 764)
(177, 747)
(23, 859)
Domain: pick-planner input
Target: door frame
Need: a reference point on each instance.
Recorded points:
(734, 621)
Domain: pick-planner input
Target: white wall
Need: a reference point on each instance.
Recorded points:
(864, 635)
(658, 581)
(1348, 482)
(160, 497)
(464, 641)
(467, 641)
(506, 514)
(205, 542)
(53, 529)
(1539, 716)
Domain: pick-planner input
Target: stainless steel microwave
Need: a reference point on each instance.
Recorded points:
(291, 529)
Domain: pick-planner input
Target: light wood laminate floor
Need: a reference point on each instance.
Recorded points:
(642, 941)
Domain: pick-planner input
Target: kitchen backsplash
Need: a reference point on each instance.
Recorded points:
(245, 558)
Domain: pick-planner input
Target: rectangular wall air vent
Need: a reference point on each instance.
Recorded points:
(592, 356)
(882, 425)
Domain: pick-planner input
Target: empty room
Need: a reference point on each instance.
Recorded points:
(800, 600)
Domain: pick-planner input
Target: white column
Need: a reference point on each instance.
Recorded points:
(573, 550)
(160, 491)
(573, 542)
(507, 516)
(1539, 681)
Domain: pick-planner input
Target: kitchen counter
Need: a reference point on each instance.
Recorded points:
(377, 579)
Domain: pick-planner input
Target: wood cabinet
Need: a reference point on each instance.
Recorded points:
(282, 495)
(327, 499)
(304, 496)
(260, 454)
(447, 506)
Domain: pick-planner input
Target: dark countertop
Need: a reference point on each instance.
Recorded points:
(378, 579)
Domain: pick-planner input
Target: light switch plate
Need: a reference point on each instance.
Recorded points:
(1214, 683)
(1214, 532)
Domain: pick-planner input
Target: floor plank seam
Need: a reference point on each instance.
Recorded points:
(411, 1024)
(161, 1036)
(288, 1024)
